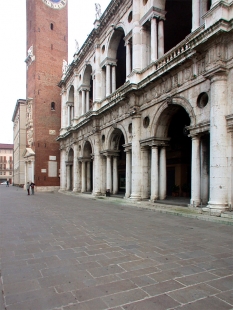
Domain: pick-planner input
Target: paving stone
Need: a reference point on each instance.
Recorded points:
(192, 293)
(162, 287)
(138, 272)
(197, 278)
(94, 304)
(209, 303)
(103, 271)
(45, 301)
(143, 281)
(21, 287)
(139, 264)
(223, 284)
(226, 296)
(103, 290)
(161, 302)
(124, 297)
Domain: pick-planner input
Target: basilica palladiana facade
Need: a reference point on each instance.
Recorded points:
(147, 104)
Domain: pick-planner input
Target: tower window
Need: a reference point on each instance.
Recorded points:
(52, 106)
(51, 26)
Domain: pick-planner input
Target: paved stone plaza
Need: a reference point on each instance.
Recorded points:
(65, 252)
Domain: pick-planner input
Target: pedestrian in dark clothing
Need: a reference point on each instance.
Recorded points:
(32, 187)
(28, 188)
(7, 183)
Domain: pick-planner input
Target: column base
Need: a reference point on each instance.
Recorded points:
(135, 197)
(97, 193)
(153, 198)
(195, 203)
(217, 205)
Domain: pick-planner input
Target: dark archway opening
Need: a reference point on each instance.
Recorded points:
(87, 157)
(178, 23)
(179, 156)
(121, 63)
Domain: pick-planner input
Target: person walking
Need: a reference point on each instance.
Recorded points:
(28, 188)
(32, 187)
(7, 183)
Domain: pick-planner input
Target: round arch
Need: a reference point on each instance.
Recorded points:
(114, 41)
(71, 94)
(87, 149)
(116, 131)
(165, 113)
(87, 73)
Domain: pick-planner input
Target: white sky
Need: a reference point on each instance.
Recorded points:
(13, 51)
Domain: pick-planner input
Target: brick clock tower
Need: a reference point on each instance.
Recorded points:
(47, 47)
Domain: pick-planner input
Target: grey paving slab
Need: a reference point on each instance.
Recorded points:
(67, 252)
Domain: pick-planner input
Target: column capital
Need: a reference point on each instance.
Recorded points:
(217, 74)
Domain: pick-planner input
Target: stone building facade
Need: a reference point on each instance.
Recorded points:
(47, 46)
(147, 103)
(6, 162)
(19, 138)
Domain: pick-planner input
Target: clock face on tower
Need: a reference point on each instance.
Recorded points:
(55, 4)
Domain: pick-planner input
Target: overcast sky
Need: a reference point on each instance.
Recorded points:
(13, 51)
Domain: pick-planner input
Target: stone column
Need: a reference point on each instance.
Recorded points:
(218, 142)
(196, 14)
(97, 167)
(154, 37)
(160, 38)
(115, 175)
(230, 172)
(128, 58)
(94, 89)
(103, 184)
(25, 174)
(195, 172)
(84, 186)
(68, 115)
(145, 176)
(108, 85)
(137, 55)
(33, 171)
(203, 10)
(204, 171)
(63, 109)
(103, 84)
(75, 168)
(88, 174)
(113, 78)
(83, 102)
(98, 75)
(144, 47)
(128, 174)
(154, 173)
(63, 170)
(87, 100)
(68, 177)
(109, 173)
(162, 174)
(136, 158)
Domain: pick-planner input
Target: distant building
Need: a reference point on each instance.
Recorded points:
(19, 139)
(6, 162)
(47, 48)
(147, 104)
